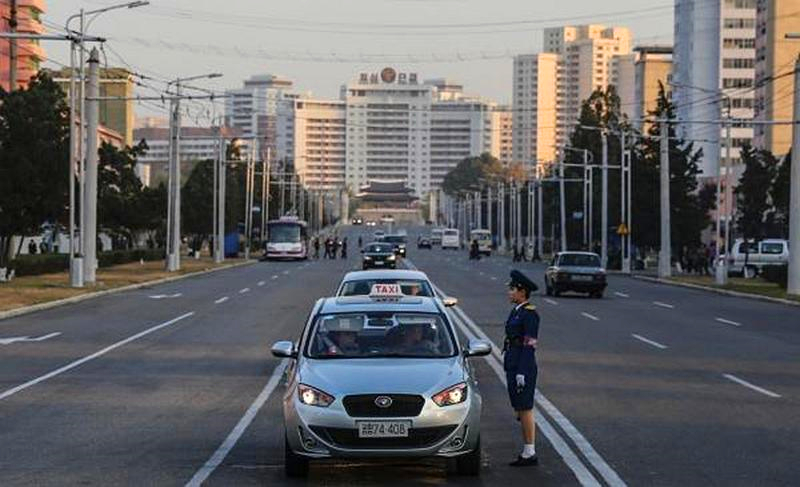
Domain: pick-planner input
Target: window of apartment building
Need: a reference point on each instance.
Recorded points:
(740, 3)
(739, 23)
(749, 43)
(738, 63)
(737, 82)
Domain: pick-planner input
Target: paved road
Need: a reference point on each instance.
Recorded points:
(652, 385)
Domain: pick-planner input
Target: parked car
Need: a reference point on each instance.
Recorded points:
(575, 271)
(757, 254)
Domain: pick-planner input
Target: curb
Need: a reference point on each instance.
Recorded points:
(84, 297)
(725, 292)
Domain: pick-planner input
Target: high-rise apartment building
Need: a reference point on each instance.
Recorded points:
(538, 123)
(29, 51)
(714, 71)
(653, 70)
(503, 134)
(119, 114)
(254, 108)
(775, 58)
(317, 130)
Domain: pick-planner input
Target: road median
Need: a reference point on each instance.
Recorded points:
(30, 294)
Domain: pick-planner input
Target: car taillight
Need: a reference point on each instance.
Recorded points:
(451, 396)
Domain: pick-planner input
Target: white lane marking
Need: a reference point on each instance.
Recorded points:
(261, 283)
(591, 317)
(245, 290)
(10, 340)
(622, 295)
(494, 278)
(728, 322)
(230, 441)
(166, 296)
(480, 273)
(100, 353)
(663, 305)
(551, 301)
(649, 342)
(286, 272)
(750, 386)
(221, 300)
(275, 276)
(580, 471)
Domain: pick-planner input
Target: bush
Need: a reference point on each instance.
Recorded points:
(778, 274)
(36, 264)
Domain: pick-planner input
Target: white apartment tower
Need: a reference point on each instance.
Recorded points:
(537, 119)
(254, 107)
(714, 59)
(316, 131)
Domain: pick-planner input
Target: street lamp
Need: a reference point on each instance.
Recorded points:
(77, 141)
(174, 182)
(721, 271)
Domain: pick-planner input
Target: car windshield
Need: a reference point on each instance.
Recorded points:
(379, 248)
(579, 260)
(451, 233)
(409, 287)
(771, 248)
(380, 334)
(394, 239)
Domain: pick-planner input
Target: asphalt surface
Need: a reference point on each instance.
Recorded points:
(651, 385)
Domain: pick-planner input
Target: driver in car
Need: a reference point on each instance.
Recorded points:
(341, 339)
(413, 340)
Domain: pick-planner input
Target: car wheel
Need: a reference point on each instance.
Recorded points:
(294, 465)
(548, 290)
(556, 293)
(470, 464)
(597, 294)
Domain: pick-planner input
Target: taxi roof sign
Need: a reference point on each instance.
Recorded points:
(386, 291)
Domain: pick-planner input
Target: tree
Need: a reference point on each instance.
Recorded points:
(779, 194)
(752, 202)
(471, 172)
(34, 159)
(197, 203)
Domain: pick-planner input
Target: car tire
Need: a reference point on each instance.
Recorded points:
(548, 290)
(295, 466)
(470, 463)
(597, 294)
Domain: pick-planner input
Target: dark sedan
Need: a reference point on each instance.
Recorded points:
(378, 254)
(399, 242)
(575, 271)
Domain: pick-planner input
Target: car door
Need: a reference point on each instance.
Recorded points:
(548, 275)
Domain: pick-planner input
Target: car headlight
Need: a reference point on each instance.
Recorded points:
(391, 257)
(367, 257)
(451, 396)
(314, 397)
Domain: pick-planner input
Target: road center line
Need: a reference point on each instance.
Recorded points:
(261, 283)
(591, 317)
(275, 276)
(727, 322)
(750, 386)
(663, 305)
(286, 272)
(245, 290)
(649, 342)
(230, 441)
(622, 295)
(88, 358)
(221, 300)
(551, 301)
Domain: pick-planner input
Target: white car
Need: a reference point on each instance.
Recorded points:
(758, 254)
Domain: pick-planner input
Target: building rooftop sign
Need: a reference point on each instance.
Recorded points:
(388, 76)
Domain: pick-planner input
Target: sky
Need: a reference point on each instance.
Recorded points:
(321, 44)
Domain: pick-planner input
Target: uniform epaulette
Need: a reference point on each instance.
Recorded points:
(530, 307)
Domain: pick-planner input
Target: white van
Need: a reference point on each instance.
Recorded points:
(451, 239)
(484, 238)
(771, 251)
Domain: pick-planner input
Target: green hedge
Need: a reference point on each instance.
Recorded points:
(33, 265)
(778, 274)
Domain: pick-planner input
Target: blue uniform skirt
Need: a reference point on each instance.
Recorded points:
(521, 400)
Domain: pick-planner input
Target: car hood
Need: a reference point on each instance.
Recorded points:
(579, 270)
(382, 375)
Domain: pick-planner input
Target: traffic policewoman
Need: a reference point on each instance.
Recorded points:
(519, 361)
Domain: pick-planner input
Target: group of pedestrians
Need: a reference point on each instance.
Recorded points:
(698, 260)
(332, 245)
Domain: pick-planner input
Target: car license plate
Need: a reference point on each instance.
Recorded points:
(378, 262)
(383, 429)
(582, 278)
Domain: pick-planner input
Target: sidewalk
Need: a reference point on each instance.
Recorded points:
(31, 293)
(755, 288)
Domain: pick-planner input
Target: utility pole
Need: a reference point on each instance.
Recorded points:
(604, 200)
(540, 216)
(562, 203)
(12, 48)
(501, 194)
(721, 271)
(793, 287)
(489, 209)
(665, 255)
(174, 201)
(219, 192)
(625, 204)
(89, 207)
(587, 176)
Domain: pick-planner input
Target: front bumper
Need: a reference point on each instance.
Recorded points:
(330, 432)
(579, 286)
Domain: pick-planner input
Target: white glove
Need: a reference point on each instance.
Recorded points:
(520, 381)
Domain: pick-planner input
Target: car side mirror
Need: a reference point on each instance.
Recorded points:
(477, 348)
(450, 302)
(284, 349)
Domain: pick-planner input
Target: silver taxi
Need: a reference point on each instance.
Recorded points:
(382, 375)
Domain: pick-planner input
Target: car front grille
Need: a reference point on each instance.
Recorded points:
(403, 406)
(417, 437)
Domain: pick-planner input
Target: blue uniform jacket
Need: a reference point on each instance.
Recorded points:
(522, 332)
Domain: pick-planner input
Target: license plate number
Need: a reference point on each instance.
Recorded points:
(383, 429)
(582, 278)
(378, 262)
